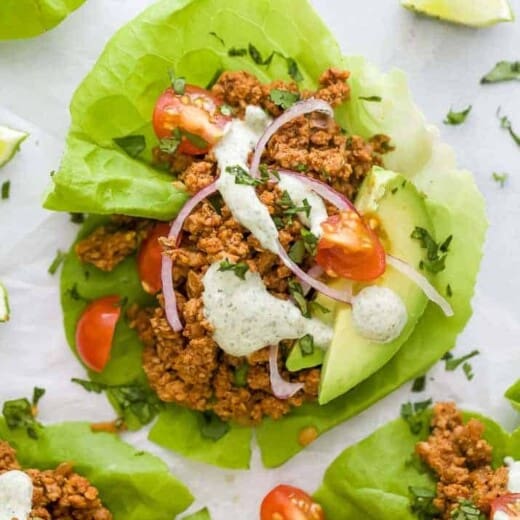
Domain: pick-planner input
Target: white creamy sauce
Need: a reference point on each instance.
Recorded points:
(513, 483)
(246, 318)
(500, 515)
(298, 191)
(16, 491)
(233, 149)
(379, 314)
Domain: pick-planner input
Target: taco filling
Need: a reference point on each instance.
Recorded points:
(59, 493)
(268, 254)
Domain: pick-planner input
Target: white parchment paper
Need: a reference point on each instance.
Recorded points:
(444, 64)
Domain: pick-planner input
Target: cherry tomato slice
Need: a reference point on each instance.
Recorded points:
(95, 331)
(289, 503)
(350, 249)
(508, 504)
(149, 258)
(196, 111)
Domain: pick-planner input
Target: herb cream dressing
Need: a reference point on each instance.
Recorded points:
(246, 317)
(16, 490)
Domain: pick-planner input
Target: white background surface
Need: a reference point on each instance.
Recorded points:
(444, 64)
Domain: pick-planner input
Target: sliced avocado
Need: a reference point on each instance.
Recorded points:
(399, 208)
(4, 304)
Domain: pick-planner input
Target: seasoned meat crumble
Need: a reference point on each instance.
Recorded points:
(188, 368)
(461, 460)
(59, 494)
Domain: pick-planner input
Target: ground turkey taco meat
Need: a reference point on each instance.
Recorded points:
(58, 494)
(188, 367)
(461, 460)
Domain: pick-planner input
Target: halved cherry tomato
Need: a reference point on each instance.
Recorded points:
(149, 258)
(95, 331)
(350, 249)
(195, 111)
(508, 504)
(290, 503)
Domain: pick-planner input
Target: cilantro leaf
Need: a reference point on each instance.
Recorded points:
(240, 376)
(503, 71)
(371, 99)
(19, 413)
(452, 363)
(178, 83)
(234, 52)
(6, 190)
(306, 344)
(435, 253)
(240, 269)
(58, 260)
(419, 384)
(242, 176)
(284, 98)
(132, 145)
(421, 502)
(457, 118)
(413, 414)
(213, 427)
(507, 125)
(500, 178)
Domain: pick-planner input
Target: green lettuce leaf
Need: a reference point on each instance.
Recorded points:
(370, 479)
(97, 176)
(134, 485)
(27, 18)
(513, 394)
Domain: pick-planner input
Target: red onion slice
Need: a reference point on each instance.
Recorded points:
(421, 282)
(281, 388)
(170, 301)
(314, 272)
(298, 109)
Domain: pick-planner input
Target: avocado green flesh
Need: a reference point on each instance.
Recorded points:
(352, 358)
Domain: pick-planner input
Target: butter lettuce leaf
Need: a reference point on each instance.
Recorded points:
(28, 18)
(134, 485)
(371, 479)
(98, 177)
(513, 394)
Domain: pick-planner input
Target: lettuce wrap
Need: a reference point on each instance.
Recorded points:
(513, 394)
(133, 485)
(371, 479)
(28, 18)
(97, 177)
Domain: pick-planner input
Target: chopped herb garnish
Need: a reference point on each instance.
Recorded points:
(242, 176)
(306, 344)
(419, 384)
(178, 83)
(293, 70)
(58, 260)
(136, 399)
(413, 414)
(19, 413)
(213, 427)
(234, 51)
(74, 293)
(435, 253)
(219, 38)
(6, 190)
(240, 269)
(240, 375)
(316, 306)
(394, 190)
(217, 202)
(467, 511)
(77, 218)
(421, 503)
(452, 363)
(500, 178)
(284, 98)
(195, 140)
(296, 292)
(132, 145)
(468, 371)
(449, 291)
(503, 71)
(290, 209)
(506, 123)
(38, 393)
(457, 118)
(310, 241)
(297, 251)
(169, 145)
(226, 110)
(301, 167)
(371, 99)
(214, 78)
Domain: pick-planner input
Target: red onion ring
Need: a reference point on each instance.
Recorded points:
(281, 388)
(422, 282)
(298, 109)
(314, 272)
(170, 301)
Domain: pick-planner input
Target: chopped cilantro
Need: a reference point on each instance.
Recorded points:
(316, 306)
(6, 190)
(213, 427)
(449, 291)
(457, 118)
(58, 260)
(300, 167)
(132, 145)
(306, 344)
(284, 98)
(468, 371)
(507, 125)
(500, 178)
(214, 78)
(467, 511)
(371, 99)
(195, 140)
(75, 295)
(310, 241)
(38, 393)
(242, 176)
(19, 413)
(219, 38)
(297, 251)
(235, 51)
(256, 56)
(296, 292)
(435, 253)
(413, 414)
(226, 110)
(452, 363)
(240, 376)
(419, 384)
(217, 202)
(293, 70)
(421, 503)
(178, 83)
(290, 209)
(503, 71)
(77, 218)
(240, 269)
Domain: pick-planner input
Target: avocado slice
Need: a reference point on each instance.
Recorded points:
(399, 207)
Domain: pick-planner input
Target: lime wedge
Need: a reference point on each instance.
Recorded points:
(4, 304)
(10, 141)
(475, 13)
